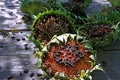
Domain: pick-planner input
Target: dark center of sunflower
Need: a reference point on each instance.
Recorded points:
(98, 30)
(50, 25)
(68, 55)
(54, 24)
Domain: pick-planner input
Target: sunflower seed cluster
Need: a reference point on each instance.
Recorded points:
(98, 30)
(68, 55)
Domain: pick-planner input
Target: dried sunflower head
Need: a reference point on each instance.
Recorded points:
(50, 23)
(68, 57)
(76, 12)
(74, 8)
(100, 34)
(83, 3)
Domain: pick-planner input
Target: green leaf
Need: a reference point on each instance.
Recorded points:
(39, 62)
(38, 44)
(37, 6)
(83, 74)
(98, 67)
(30, 38)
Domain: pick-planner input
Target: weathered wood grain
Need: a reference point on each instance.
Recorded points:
(15, 65)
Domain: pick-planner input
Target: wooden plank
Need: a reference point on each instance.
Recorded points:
(20, 75)
(16, 44)
(17, 62)
(16, 65)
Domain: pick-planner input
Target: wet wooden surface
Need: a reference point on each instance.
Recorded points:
(16, 51)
